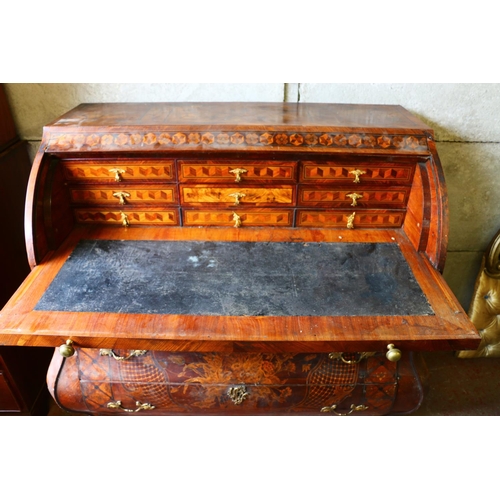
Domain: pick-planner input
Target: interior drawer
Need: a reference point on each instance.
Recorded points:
(124, 195)
(360, 218)
(239, 217)
(128, 217)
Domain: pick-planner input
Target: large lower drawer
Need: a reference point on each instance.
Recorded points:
(141, 382)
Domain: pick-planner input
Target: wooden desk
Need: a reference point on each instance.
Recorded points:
(236, 258)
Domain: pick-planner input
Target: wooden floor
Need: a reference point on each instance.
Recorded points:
(467, 387)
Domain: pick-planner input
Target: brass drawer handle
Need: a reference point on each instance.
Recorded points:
(236, 219)
(238, 394)
(118, 173)
(237, 172)
(350, 221)
(117, 405)
(340, 355)
(132, 354)
(122, 196)
(332, 409)
(393, 354)
(237, 197)
(125, 221)
(354, 197)
(356, 174)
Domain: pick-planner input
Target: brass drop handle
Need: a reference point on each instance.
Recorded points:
(237, 197)
(350, 221)
(238, 394)
(118, 173)
(117, 405)
(393, 354)
(125, 221)
(353, 408)
(340, 355)
(122, 196)
(354, 197)
(236, 219)
(111, 354)
(237, 172)
(67, 350)
(356, 174)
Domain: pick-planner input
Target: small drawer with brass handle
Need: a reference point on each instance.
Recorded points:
(239, 218)
(257, 196)
(350, 220)
(128, 217)
(136, 195)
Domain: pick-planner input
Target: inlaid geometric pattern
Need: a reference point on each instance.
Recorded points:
(234, 140)
(158, 195)
(257, 196)
(130, 172)
(225, 218)
(315, 196)
(163, 217)
(340, 219)
(326, 171)
(208, 172)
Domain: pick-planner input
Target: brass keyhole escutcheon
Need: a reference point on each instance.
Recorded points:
(357, 173)
(393, 354)
(118, 173)
(354, 197)
(67, 350)
(237, 197)
(350, 221)
(236, 219)
(122, 196)
(237, 172)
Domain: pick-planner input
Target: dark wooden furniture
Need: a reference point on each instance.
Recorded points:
(237, 259)
(22, 371)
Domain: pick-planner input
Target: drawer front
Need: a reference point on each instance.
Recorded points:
(327, 197)
(129, 217)
(238, 218)
(124, 195)
(350, 220)
(243, 383)
(222, 171)
(356, 174)
(233, 195)
(118, 172)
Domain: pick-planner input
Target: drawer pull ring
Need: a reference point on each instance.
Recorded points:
(237, 197)
(117, 405)
(237, 220)
(67, 350)
(354, 197)
(332, 409)
(356, 174)
(237, 172)
(118, 173)
(350, 221)
(122, 196)
(393, 354)
(340, 355)
(237, 394)
(125, 221)
(110, 353)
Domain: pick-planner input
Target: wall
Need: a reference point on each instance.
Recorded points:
(465, 118)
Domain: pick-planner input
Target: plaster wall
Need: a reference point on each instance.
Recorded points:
(465, 118)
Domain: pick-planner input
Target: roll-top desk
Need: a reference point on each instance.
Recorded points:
(236, 258)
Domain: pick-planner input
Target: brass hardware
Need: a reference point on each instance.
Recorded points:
(117, 405)
(350, 221)
(340, 355)
(237, 220)
(125, 221)
(237, 172)
(237, 197)
(110, 353)
(67, 350)
(122, 195)
(393, 354)
(354, 197)
(353, 408)
(237, 394)
(118, 172)
(356, 174)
